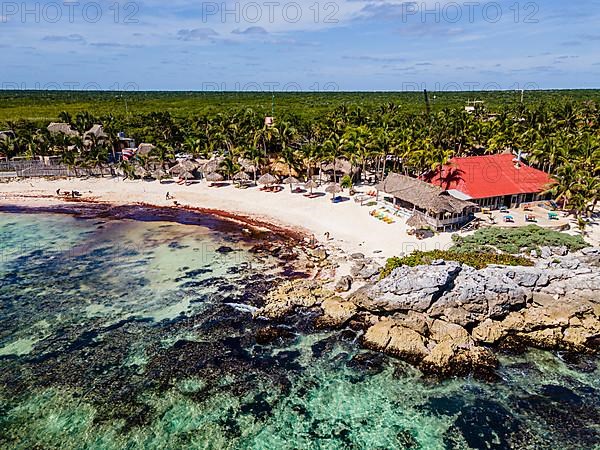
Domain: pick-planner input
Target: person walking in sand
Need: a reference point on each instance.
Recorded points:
(58, 191)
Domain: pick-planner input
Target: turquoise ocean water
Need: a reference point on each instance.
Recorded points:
(137, 333)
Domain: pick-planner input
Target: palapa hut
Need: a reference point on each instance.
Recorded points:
(241, 176)
(247, 165)
(311, 184)
(64, 128)
(291, 181)
(187, 176)
(141, 172)
(267, 179)
(437, 207)
(97, 131)
(183, 166)
(280, 168)
(214, 177)
(418, 222)
(160, 174)
(7, 134)
(333, 189)
(145, 149)
(341, 167)
(213, 165)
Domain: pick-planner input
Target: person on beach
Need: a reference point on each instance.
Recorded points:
(168, 196)
(58, 191)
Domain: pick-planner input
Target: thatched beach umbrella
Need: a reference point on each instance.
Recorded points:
(267, 178)
(241, 176)
(159, 174)
(311, 184)
(188, 165)
(140, 172)
(418, 222)
(247, 165)
(186, 176)
(183, 166)
(213, 165)
(333, 189)
(291, 180)
(214, 177)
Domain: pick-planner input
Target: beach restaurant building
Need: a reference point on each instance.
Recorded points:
(492, 181)
(411, 196)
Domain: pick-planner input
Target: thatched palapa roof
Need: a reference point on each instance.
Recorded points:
(247, 165)
(182, 167)
(267, 178)
(213, 165)
(160, 173)
(291, 180)
(7, 134)
(418, 222)
(423, 195)
(214, 177)
(341, 166)
(333, 188)
(97, 131)
(144, 149)
(241, 176)
(64, 128)
(281, 168)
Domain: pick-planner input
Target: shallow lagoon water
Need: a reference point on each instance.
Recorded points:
(138, 334)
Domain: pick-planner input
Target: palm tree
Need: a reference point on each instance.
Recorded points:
(437, 159)
(229, 167)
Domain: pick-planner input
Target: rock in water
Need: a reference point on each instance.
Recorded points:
(344, 284)
(390, 337)
(336, 312)
(477, 295)
(410, 288)
(459, 356)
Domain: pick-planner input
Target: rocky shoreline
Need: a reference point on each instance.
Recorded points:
(449, 319)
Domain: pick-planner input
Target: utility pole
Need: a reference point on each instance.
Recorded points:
(427, 106)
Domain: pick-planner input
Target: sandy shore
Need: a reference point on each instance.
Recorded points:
(349, 225)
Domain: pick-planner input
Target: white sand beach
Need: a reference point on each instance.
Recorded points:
(349, 225)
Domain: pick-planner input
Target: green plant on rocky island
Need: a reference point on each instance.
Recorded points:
(513, 240)
(478, 260)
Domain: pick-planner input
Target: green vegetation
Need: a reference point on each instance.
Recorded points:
(378, 132)
(346, 182)
(512, 240)
(478, 260)
(46, 105)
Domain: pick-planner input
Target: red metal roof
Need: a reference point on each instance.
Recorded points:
(490, 176)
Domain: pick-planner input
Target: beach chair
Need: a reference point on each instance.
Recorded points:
(509, 219)
(552, 216)
(503, 209)
(530, 218)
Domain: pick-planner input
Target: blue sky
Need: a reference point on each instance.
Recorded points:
(300, 45)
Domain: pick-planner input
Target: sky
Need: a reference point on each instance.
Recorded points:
(300, 45)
